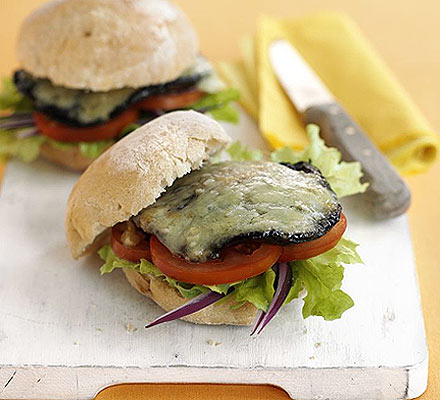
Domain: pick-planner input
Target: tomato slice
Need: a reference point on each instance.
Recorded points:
(306, 250)
(65, 133)
(171, 101)
(233, 265)
(110, 129)
(132, 253)
(236, 263)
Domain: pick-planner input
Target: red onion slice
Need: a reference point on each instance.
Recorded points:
(259, 317)
(28, 132)
(16, 116)
(196, 304)
(283, 283)
(14, 124)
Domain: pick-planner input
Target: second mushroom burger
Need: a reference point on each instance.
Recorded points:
(93, 70)
(213, 243)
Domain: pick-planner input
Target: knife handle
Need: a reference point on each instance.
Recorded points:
(387, 195)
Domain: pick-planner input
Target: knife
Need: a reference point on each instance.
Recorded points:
(387, 195)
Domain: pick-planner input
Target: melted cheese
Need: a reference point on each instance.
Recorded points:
(88, 107)
(83, 106)
(220, 203)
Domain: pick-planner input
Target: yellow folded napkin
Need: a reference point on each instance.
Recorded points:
(338, 52)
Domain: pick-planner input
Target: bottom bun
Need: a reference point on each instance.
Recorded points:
(169, 299)
(71, 158)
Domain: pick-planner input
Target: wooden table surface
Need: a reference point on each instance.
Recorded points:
(406, 33)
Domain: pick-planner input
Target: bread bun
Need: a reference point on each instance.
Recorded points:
(169, 298)
(135, 171)
(102, 45)
(70, 158)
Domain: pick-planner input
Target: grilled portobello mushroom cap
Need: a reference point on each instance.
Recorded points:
(83, 108)
(235, 201)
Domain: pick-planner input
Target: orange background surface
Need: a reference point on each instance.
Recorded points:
(406, 33)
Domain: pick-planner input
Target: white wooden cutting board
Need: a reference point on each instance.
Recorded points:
(66, 332)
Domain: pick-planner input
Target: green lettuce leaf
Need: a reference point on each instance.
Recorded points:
(212, 100)
(258, 290)
(322, 277)
(128, 129)
(26, 149)
(218, 105)
(12, 99)
(239, 152)
(88, 149)
(225, 113)
(94, 149)
(344, 177)
(112, 262)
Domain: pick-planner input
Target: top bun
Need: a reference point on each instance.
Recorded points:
(102, 45)
(135, 171)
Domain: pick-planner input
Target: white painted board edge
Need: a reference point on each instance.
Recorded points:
(83, 383)
(390, 378)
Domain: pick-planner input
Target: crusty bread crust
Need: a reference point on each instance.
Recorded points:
(71, 158)
(102, 45)
(135, 171)
(169, 299)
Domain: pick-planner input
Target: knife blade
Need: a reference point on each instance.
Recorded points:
(387, 195)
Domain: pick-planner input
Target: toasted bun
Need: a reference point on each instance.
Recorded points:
(135, 171)
(169, 299)
(102, 45)
(71, 158)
